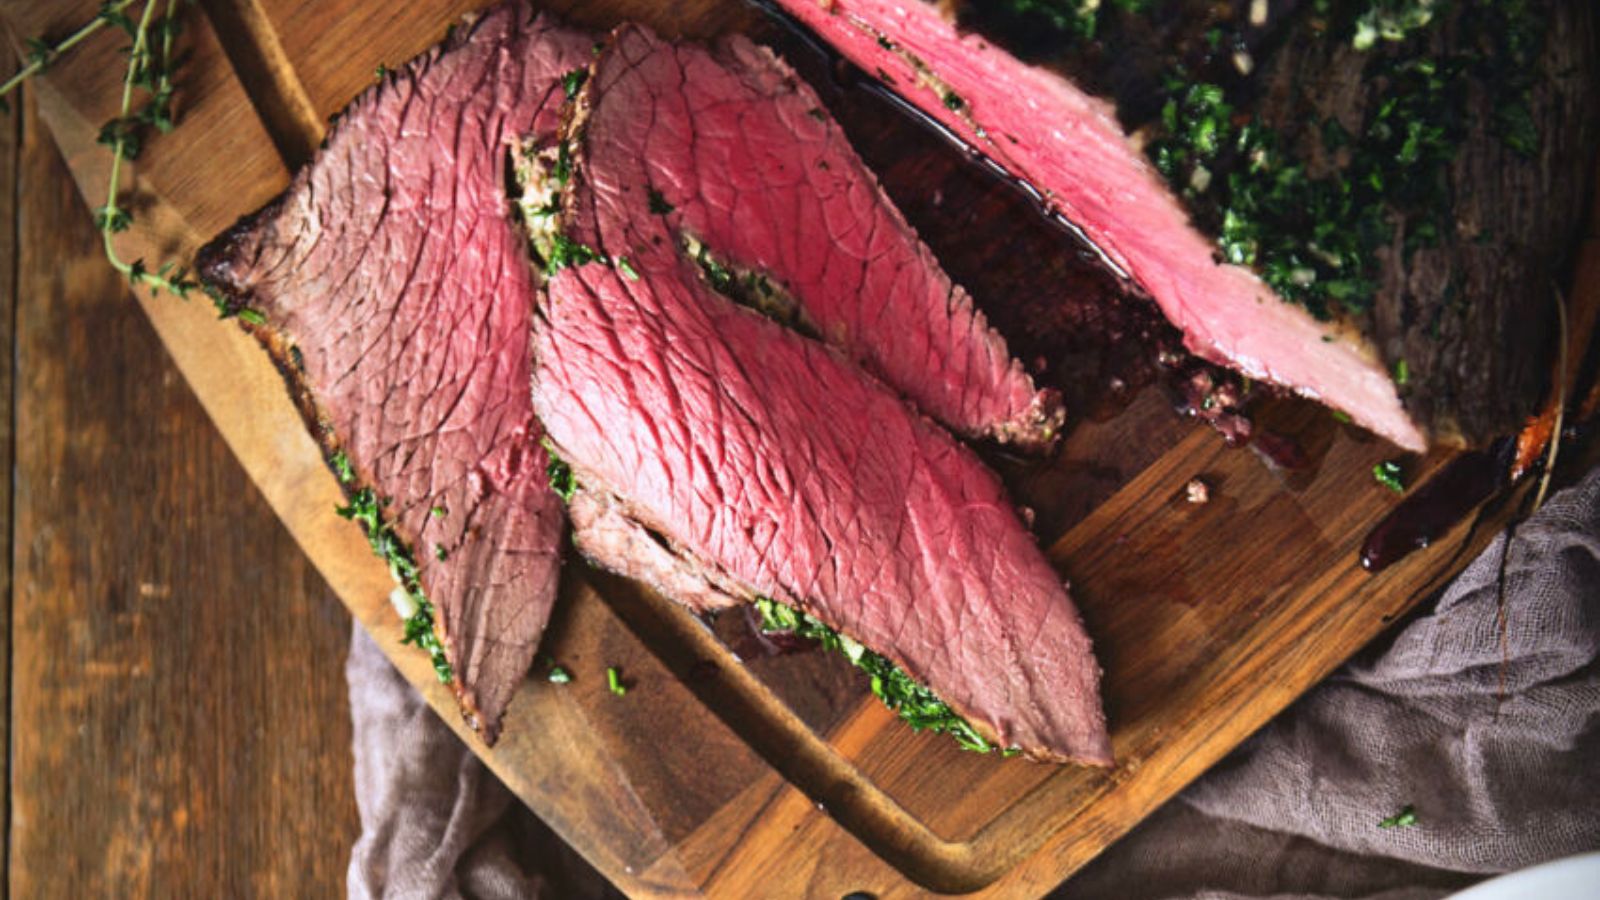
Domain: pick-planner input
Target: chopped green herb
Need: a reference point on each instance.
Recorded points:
(717, 274)
(1316, 236)
(1315, 240)
(913, 702)
(438, 512)
(381, 72)
(365, 508)
(1391, 20)
(573, 81)
(658, 204)
(246, 314)
(564, 252)
(560, 474)
(1389, 475)
(1402, 372)
(440, 552)
(627, 269)
(562, 170)
(953, 101)
(1405, 818)
(614, 681)
(342, 468)
(559, 675)
(1341, 417)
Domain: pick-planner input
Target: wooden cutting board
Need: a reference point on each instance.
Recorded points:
(781, 776)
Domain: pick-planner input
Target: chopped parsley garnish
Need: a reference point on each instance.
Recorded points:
(565, 251)
(440, 553)
(627, 269)
(1402, 372)
(342, 468)
(913, 702)
(1341, 417)
(559, 675)
(560, 475)
(366, 508)
(1391, 20)
(573, 81)
(438, 512)
(1405, 818)
(1315, 240)
(1315, 236)
(562, 170)
(717, 274)
(658, 204)
(246, 314)
(1388, 474)
(953, 101)
(614, 681)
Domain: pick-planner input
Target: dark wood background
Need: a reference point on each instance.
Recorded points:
(178, 724)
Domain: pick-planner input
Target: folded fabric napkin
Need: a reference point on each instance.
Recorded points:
(1490, 735)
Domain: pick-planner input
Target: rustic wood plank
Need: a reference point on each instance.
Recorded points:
(10, 160)
(180, 723)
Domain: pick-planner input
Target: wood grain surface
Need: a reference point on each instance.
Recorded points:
(179, 726)
(713, 777)
(10, 164)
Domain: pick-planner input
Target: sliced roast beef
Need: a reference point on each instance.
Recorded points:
(1409, 183)
(725, 457)
(721, 455)
(397, 300)
(736, 155)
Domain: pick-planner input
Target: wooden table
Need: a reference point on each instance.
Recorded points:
(178, 723)
(652, 822)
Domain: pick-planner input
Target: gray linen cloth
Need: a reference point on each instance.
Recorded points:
(1491, 734)
(435, 822)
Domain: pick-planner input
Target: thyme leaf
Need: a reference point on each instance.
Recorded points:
(1405, 818)
(1389, 474)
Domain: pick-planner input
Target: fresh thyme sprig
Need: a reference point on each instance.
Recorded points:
(151, 71)
(152, 65)
(42, 53)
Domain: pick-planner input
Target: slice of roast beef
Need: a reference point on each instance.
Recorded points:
(737, 156)
(723, 457)
(397, 301)
(1436, 327)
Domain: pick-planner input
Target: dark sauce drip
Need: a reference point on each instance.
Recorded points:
(1070, 315)
(1282, 451)
(1438, 504)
